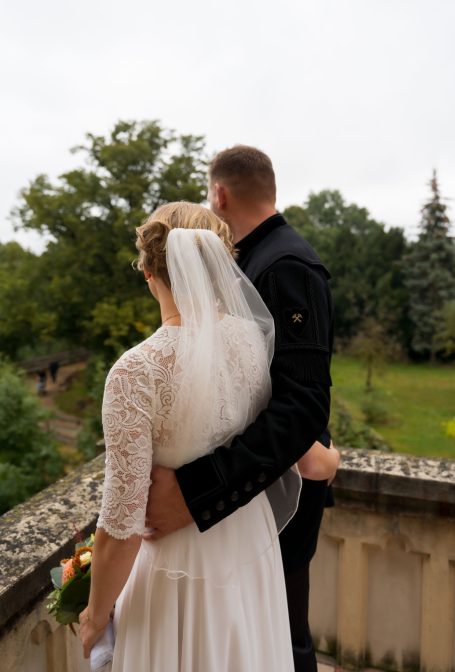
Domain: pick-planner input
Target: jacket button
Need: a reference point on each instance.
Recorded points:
(248, 486)
(234, 496)
(220, 505)
(262, 477)
(206, 515)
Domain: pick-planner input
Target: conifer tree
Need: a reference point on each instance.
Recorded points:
(430, 273)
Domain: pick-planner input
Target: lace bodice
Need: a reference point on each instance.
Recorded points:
(139, 426)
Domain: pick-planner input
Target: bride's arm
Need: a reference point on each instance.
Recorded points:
(127, 424)
(113, 560)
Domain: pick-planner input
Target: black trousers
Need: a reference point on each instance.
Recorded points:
(298, 589)
(298, 545)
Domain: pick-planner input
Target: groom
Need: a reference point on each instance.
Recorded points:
(293, 283)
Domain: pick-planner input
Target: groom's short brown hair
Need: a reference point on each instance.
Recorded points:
(247, 172)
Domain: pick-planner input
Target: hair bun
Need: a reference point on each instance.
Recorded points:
(172, 217)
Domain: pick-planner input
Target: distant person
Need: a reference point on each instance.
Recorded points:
(53, 370)
(41, 384)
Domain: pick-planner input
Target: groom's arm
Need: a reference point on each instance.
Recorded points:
(215, 485)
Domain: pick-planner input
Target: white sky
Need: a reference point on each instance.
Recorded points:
(355, 95)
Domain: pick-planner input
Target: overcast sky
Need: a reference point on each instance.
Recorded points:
(355, 95)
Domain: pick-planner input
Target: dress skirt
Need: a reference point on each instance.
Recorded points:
(225, 610)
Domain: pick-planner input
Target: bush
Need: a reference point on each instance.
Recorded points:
(29, 459)
(374, 409)
(449, 427)
(89, 440)
(348, 432)
(14, 486)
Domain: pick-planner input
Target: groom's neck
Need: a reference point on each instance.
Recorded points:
(243, 222)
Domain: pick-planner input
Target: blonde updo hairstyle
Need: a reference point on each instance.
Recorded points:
(152, 235)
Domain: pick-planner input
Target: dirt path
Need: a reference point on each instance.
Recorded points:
(64, 426)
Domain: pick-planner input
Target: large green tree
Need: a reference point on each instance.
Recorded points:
(24, 322)
(89, 291)
(430, 274)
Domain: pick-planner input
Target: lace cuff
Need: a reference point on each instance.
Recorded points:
(127, 423)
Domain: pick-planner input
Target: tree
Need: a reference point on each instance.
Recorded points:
(430, 274)
(444, 338)
(91, 214)
(374, 348)
(23, 322)
(29, 460)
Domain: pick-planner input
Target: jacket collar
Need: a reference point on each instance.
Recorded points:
(245, 245)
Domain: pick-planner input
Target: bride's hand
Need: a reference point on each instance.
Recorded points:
(166, 507)
(89, 632)
(319, 463)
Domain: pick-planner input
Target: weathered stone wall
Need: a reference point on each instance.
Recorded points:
(383, 579)
(34, 537)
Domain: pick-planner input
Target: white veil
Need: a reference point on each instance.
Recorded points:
(207, 287)
(210, 292)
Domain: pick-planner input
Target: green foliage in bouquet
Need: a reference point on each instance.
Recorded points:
(71, 581)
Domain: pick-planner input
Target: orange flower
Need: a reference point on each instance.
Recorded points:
(68, 571)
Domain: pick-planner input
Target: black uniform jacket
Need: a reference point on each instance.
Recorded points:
(293, 283)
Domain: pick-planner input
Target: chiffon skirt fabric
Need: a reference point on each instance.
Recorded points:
(232, 618)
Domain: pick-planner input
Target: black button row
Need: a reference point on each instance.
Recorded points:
(234, 497)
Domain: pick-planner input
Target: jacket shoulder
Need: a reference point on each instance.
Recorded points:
(283, 242)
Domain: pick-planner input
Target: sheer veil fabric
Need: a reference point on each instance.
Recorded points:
(207, 286)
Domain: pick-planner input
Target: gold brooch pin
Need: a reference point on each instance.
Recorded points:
(297, 317)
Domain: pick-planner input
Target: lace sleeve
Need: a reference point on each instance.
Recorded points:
(127, 423)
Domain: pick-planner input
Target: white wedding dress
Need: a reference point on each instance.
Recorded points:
(194, 602)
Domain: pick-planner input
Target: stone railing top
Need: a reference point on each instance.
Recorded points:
(413, 483)
(37, 534)
(397, 464)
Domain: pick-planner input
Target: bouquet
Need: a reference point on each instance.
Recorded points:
(71, 581)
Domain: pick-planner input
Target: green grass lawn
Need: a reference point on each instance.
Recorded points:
(419, 400)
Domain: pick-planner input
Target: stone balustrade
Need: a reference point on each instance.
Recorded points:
(383, 579)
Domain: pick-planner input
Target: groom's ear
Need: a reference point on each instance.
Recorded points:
(220, 196)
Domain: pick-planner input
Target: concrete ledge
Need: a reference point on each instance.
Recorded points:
(37, 534)
(395, 482)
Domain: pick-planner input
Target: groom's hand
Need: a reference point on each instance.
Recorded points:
(166, 508)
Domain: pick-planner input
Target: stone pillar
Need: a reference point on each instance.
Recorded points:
(437, 625)
(352, 601)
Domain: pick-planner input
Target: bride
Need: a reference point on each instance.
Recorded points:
(190, 602)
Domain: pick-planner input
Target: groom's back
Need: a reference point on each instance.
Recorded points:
(293, 282)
